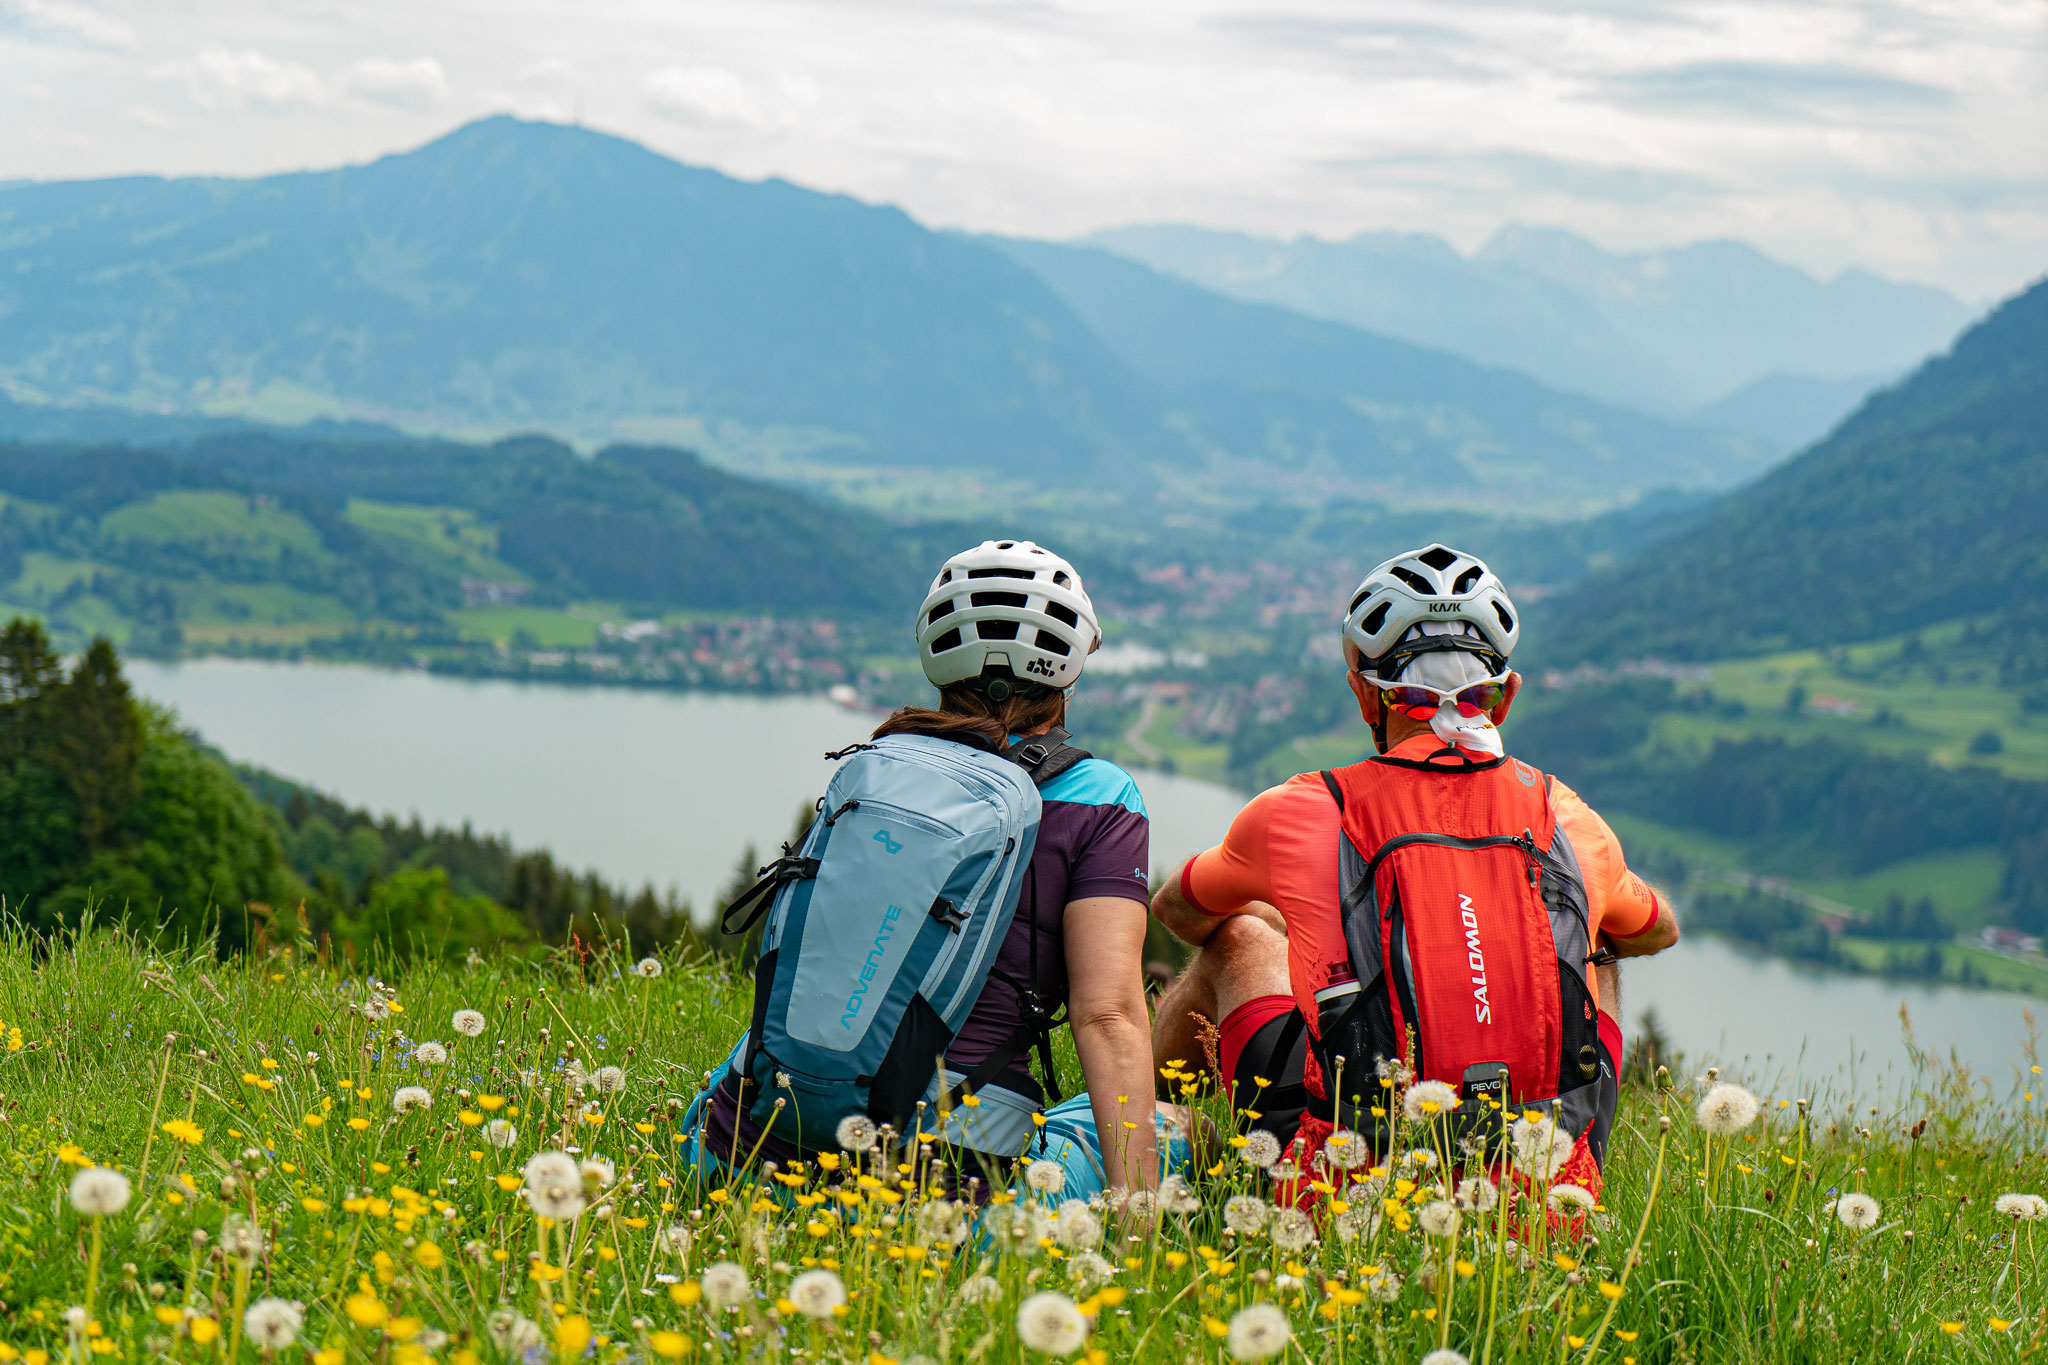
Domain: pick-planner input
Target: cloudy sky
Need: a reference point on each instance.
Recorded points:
(1909, 137)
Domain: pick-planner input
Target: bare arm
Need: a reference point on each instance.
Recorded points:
(1191, 926)
(1106, 1000)
(1662, 933)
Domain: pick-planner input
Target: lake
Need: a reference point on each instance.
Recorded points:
(668, 787)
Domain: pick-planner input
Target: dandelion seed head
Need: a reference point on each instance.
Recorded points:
(410, 1097)
(1540, 1147)
(1048, 1322)
(980, 1290)
(597, 1173)
(1446, 1356)
(430, 1054)
(97, 1191)
(242, 1238)
(942, 1222)
(1383, 1285)
(1293, 1229)
(1358, 1222)
(2023, 1208)
(1858, 1212)
(1477, 1194)
(1176, 1196)
(273, 1324)
(468, 1023)
(816, 1293)
(1261, 1149)
(1426, 1100)
(1245, 1214)
(856, 1133)
(1258, 1332)
(1570, 1199)
(648, 967)
(513, 1332)
(1439, 1218)
(500, 1134)
(1046, 1177)
(1075, 1227)
(610, 1080)
(1088, 1272)
(1346, 1150)
(1727, 1109)
(554, 1186)
(725, 1284)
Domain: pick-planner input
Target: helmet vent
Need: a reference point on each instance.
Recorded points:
(1507, 622)
(1052, 643)
(946, 577)
(1358, 601)
(997, 599)
(942, 609)
(950, 640)
(996, 573)
(1006, 545)
(1375, 618)
(1060, 577)
(1058, 612)
(1466, 580)
(1437, 557)
(995, 630)
(1413, 580)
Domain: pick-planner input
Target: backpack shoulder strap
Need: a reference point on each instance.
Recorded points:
(1046, 756)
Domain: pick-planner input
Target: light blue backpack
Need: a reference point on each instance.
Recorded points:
(882, 930)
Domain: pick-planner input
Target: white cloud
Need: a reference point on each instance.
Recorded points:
(222, 79)
(706, 96)
(416, 84)
(1905, 136)
(66, 20)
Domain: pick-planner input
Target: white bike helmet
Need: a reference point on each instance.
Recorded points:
(1006, 605)
(1435, 583)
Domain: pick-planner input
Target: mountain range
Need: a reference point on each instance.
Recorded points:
(1668, 331)
(526, 274)
(1925, 506)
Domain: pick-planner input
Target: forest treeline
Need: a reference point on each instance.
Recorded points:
(104, 803)
(1827, 803)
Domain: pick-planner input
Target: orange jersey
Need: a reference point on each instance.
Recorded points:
(1283, 849)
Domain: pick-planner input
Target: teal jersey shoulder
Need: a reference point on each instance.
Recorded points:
(1096, 782)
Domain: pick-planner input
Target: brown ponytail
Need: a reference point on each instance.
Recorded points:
(965, 714)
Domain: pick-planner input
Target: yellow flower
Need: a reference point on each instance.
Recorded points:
(313, 1205)
(1574, 1342)
(165, 1314)
(403, 1329)
(470, 1118)
(572, 1334)
(1609, 1289)
(186, 1131)
(330, 1356)
(669, 1345)
(507, 1183)
(2000, 1324)
(429, 1255)
(365, 1310)
(267, 1064)
(1215, 1327)
(35, 1357)
(1951, 1327)
(686, 1293)
(1624, 1336)
(205, 1330)
(359, 1123)
(490, 1103)
(313, 1120)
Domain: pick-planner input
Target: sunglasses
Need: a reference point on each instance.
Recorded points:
(1420, 703)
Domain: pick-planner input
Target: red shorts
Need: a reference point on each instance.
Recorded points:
(1238, 1029)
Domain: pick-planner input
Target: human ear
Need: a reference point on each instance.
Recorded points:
(1368, 698)
(1514, 685)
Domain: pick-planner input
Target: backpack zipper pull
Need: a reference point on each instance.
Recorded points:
(1527, 843)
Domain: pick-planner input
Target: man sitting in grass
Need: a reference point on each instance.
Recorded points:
(1439, 910)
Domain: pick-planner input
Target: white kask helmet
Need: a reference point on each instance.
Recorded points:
(1435, 583)
(1006, 604)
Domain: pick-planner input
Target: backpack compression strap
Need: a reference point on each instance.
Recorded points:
(1046, 756)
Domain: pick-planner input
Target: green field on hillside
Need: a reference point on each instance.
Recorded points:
(278, 1155)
